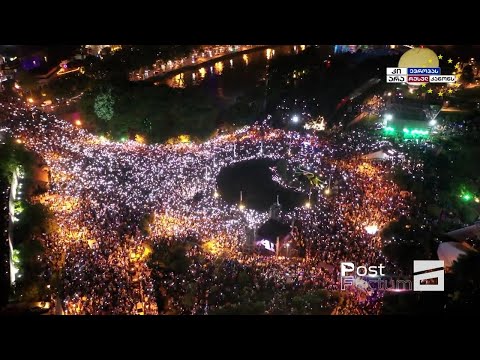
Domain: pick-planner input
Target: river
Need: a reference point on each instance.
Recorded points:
(235, 73)
(292, 78)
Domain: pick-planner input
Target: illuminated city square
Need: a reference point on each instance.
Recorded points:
(139, 224)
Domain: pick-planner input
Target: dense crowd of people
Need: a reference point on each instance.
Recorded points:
(101, 191)
(214, 282)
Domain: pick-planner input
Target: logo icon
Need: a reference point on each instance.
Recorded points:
(419, 58)
(428, 275)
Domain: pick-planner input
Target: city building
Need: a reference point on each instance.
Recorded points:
(9, 62)
(101, 50)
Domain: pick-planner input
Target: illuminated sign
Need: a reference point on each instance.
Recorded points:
(267, 245)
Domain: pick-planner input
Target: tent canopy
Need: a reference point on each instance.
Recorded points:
(377, 155)
(451, 250)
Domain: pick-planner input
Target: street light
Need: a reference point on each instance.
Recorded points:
(295, 119)
(327, 190)
(371, 229)
(388, 117)
(240, 205)
(288, 247)
(308, 204)
(466, 196)
(216, 194)
(432, 122)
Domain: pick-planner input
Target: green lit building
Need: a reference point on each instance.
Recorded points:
(406, 125)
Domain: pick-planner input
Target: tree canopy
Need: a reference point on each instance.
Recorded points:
(103, 106)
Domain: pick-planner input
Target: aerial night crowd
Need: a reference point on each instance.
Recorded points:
(101, 191)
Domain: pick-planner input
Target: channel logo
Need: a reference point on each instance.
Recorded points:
(428, 275)
(419, 66)
(347, 268)
(418, 76)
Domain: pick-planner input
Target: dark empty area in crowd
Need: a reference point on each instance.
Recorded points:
(259, 191)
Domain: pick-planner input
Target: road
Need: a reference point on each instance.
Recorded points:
(358, 118)
(65, 102)
(462, 234)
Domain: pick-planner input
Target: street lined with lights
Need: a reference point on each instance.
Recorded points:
(196, 57)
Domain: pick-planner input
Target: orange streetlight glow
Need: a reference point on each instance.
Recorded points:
(140, 139)
(30, 100)
(78, 122)
(371, 229)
